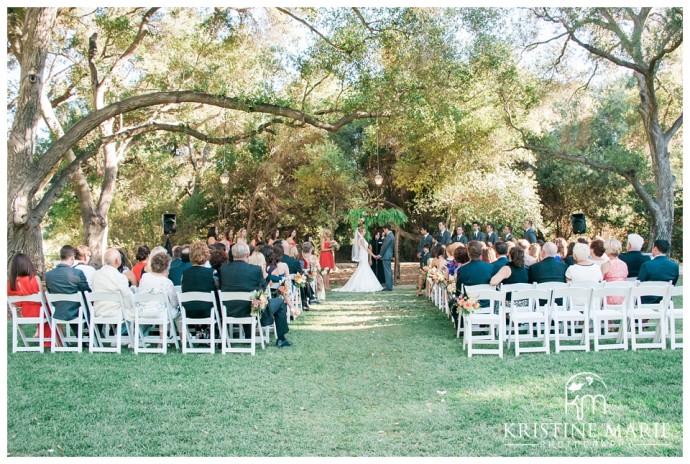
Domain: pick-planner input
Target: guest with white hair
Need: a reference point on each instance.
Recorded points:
(634, 257)
(109, 279)
(548, 269)
(584, 269)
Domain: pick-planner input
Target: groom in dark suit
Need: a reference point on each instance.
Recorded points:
(386, 255)
(240, 276)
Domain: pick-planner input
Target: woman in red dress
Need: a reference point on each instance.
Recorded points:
(327, 257)
(22, 281)
(292, 238)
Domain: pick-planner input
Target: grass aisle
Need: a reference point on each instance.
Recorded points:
(366, 376)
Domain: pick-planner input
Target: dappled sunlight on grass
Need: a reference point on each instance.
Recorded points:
(340, 328)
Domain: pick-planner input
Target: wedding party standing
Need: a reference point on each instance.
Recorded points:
(327, 257)
(363, 279)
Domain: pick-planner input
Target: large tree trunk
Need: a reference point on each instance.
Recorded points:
(662, 212)
(23, 233)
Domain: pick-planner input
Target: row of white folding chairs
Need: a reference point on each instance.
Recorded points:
(139, 338)
(581, 306)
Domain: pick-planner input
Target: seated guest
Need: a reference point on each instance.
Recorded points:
(501, 256)
(109, 279)
(614, 269)
(525, 244)
(125, 268)
(515, 272)
(489, 255)
(278, 270)
(597, 252)
(561, 248)
(199, 278)
(568, 259)
(438, 257)
(175, 273)
(240, 276)
(257, 259)
(534, 251)
(584, 269)
(293, 264)
(548, 269)
(634, 257)
(451, 264)
(155, 251)
(23, 281)
(157, 282)
(211, 236)
(476, 271)
(661, 268)
(65, 279)
(81, 262)
(143, 253)
(461, 257)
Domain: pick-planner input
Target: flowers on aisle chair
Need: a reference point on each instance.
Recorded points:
(468, 304)
(259, 303)
(300, 280)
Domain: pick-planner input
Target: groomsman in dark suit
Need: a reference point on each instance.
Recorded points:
(661, 268)
(491, 236)
(443, 234)
(501, 256)
(529, 234)
(634, 257)
(240, 276)
(477, 234)
(459, 236)
(508, 232)
(424, 241)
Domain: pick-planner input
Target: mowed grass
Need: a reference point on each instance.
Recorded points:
(368, 375)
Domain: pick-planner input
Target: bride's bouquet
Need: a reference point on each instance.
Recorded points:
(335, 245)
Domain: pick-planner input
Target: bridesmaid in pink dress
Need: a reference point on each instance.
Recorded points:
(614, 270)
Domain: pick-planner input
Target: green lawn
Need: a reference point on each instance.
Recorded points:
(374, 375)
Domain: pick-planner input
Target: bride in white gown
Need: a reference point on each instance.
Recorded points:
(364, 279)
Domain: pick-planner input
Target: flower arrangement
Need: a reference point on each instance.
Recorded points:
(431, 273)
(259, 303)
(283, 290)
(300, 280)
(312, 274)
(450, 288)
(335, 245)
(468, 304)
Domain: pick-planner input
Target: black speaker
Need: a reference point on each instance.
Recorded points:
(579, 223)
(169, 223)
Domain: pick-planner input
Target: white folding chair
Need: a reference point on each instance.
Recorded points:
(97, 340)
(484, 320)
(675, 313)
(67, 336)
(550, 285)
(189, 343)
(622, 283)
(586, 284)
(655, 283)
(507, 290)
(609, 321)
(639, 312)
(535, 316)
(472, 289)
(227, 330)
(19, 320)
(571, 314)
(161, 320)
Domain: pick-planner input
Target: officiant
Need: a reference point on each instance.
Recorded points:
(375, 247)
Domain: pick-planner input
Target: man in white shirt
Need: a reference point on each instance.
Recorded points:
(108, 279)
(82, 258)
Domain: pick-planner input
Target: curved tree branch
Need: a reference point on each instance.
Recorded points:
(83, 127)
(313, 29)
(674, 128)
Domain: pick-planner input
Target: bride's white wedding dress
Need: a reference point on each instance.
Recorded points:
(364, 279)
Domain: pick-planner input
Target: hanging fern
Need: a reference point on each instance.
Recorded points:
(376, 218)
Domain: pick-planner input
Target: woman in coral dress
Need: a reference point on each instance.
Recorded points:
(327, 257)
(615, 269)
(23, 281)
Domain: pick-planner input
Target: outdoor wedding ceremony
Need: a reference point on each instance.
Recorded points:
(318, 231)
